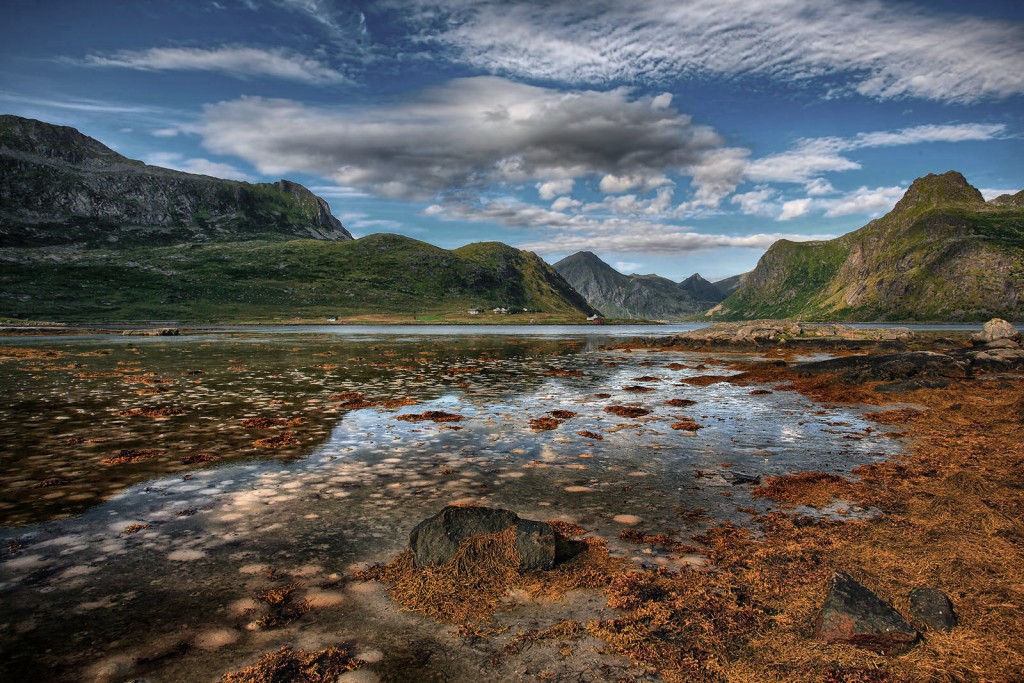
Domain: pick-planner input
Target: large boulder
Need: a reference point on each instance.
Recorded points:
(854, 615)
(994, 329)
(931, 608)
(436, 539)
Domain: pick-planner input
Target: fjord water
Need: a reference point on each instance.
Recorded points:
(146, 569)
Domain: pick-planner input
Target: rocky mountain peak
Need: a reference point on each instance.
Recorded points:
(938, 189)
(47, 140)
(60, 186)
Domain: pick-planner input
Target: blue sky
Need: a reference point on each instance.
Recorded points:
(665, 136)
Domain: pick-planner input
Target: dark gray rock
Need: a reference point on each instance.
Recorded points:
(435, 540)
(911, 385)
(889, 367)
(998, 360)
(740, 478)
(932, 609)
(855, 615)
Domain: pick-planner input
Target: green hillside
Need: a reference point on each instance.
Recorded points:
(942, 253)
(277, 280)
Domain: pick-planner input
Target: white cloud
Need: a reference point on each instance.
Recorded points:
(756, 202)
(468, 133)
(717, 175)
(957, 132)
(798, 165)
(643, 238)
(989, 193)
(626, 266)
(864, 200)
(882, 51)
(566, 233)
(552, 188)
(817, 187)
(85, 105)
(794, 209)
(811, 157)
(617, 184)
(565, 204)
(197, 165)
(238, 61)
(871, 201)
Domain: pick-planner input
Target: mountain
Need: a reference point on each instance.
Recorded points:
(87, 235)
(730, 284)
(942, 253)
(635, 296)
(58, 186)
(707, 293)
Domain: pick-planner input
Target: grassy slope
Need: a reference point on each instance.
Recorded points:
(267, 280)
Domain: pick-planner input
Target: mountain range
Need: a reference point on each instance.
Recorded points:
(638, 296)
(89, 235)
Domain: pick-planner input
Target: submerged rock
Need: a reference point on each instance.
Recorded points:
(436, 539)
(931, 608)
(996, 329)
(855, 615)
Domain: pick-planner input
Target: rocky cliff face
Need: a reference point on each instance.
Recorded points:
(635, 296)
(58, 186)
(942, 253)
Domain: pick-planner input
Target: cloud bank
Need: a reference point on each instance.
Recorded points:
(469, 133)
(874, 49)
(237, 61)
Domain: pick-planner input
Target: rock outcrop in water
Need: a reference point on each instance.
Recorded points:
(58, 186)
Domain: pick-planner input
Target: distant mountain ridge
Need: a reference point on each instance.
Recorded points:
(58, 186)
(942, 253)
(636, 296)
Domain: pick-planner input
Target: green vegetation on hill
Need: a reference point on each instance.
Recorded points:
(278, 280)
(942, 253)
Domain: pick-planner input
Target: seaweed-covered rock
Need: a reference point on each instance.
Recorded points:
(931, 608)
(889, 367)
(855, 615)
(436, 539)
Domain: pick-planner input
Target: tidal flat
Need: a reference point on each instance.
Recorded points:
(175, 508)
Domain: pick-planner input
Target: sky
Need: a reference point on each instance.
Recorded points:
(666, 136)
